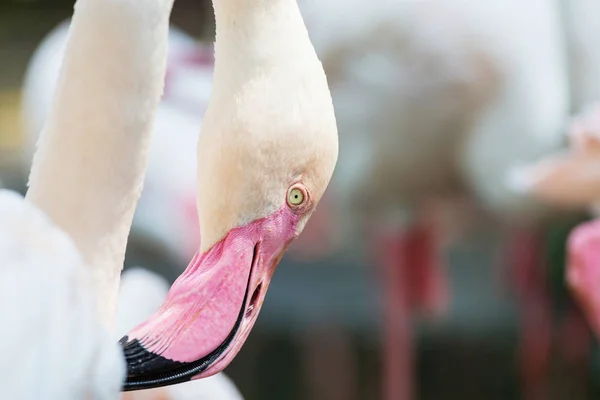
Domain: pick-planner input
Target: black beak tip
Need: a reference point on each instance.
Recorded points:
(147, 370)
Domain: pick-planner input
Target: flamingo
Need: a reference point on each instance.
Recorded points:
(141, 293)
(247, 222)
(568, 178)
(314, 183)
(266, 153)
(46, 288)
(436, 101)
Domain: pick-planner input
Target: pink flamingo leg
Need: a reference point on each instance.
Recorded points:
(398, 353)
(527, 269)
(413, 281)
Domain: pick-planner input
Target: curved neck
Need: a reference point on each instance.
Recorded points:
(253, 36)
(88, 170)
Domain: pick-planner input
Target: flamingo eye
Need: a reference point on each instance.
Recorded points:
(296, 196)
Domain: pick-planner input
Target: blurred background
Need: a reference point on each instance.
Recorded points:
(426, 273)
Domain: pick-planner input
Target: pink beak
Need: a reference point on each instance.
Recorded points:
(211, 308)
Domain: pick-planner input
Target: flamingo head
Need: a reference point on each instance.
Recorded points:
(265, 158)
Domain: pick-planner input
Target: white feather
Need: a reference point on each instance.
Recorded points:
(52, 346)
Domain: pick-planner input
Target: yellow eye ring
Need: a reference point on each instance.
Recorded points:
(296, 196)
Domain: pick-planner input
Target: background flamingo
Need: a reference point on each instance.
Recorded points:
(435, 103)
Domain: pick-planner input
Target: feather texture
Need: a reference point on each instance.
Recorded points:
(52, 345)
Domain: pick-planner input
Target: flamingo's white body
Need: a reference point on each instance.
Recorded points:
(62, 248)
(53, 345)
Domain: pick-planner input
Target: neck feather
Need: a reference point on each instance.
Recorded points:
(88, 170)
(255, 36)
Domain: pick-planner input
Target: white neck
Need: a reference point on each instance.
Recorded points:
(256, 35)
(87, 173)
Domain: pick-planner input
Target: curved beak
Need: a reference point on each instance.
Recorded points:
(209, 311)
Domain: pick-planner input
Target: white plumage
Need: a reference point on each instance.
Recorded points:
(435, 101)
(51, 343)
